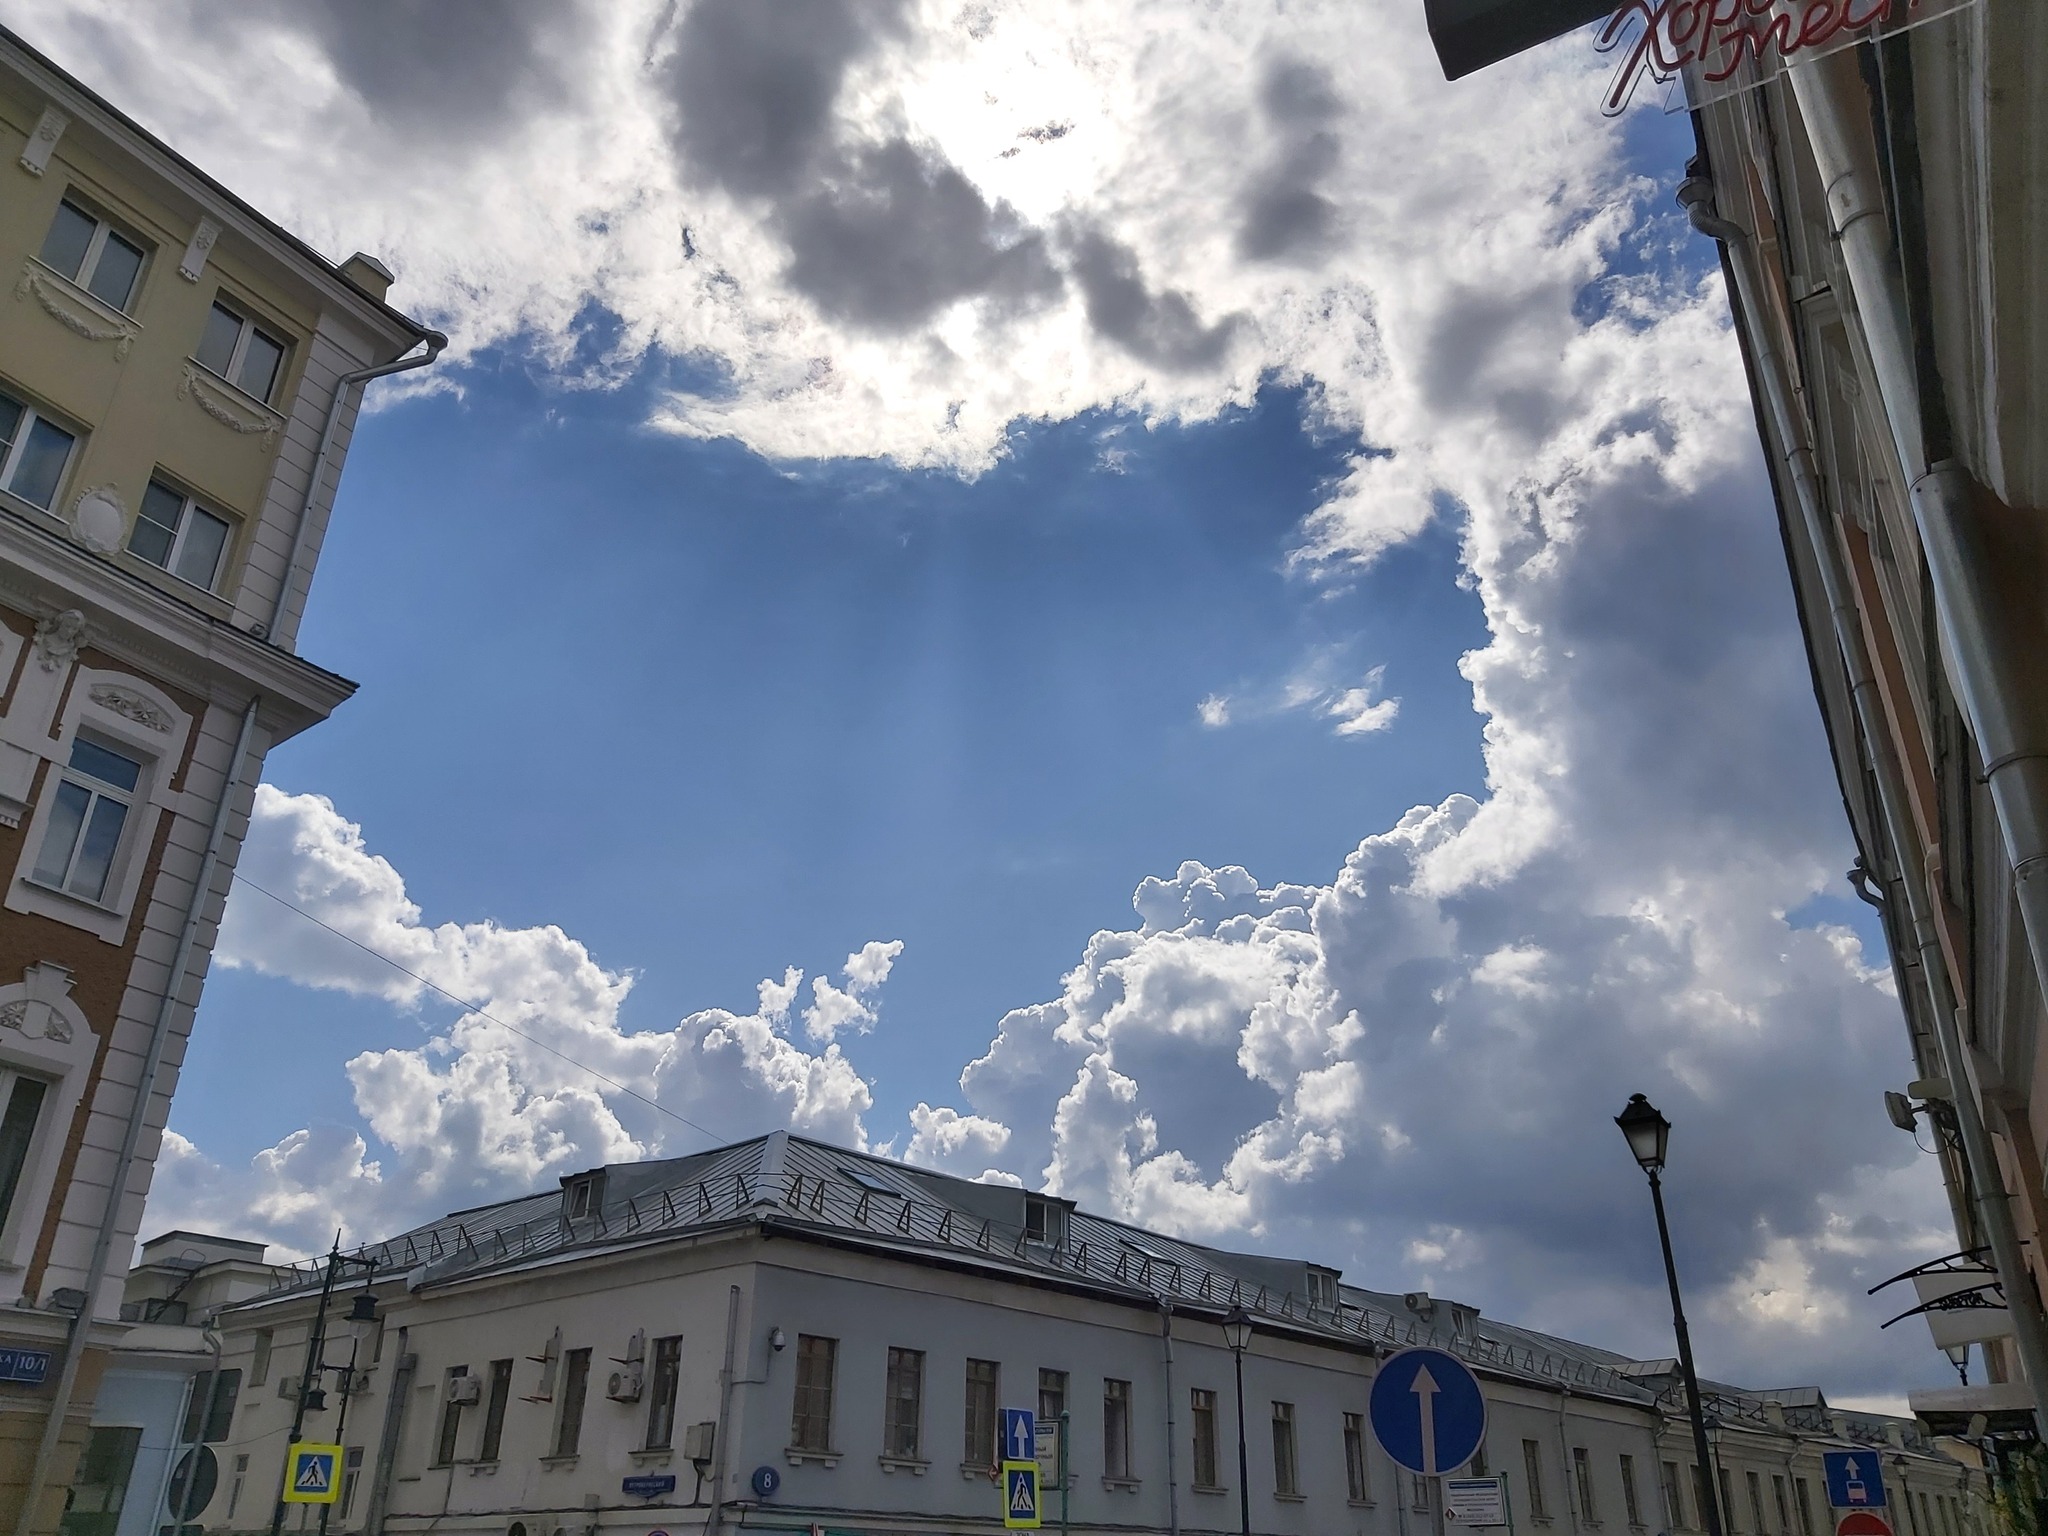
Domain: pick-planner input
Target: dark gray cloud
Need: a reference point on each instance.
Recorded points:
(1158, 328)
(1283, 213)
(900, 234)
(881, 236)
(754, 86)
(452, 66)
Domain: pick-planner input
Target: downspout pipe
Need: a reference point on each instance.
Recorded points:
(395, 1402)
(2030, 1331)
(1172, 1434)
(436, 343)
(131, 1134)
(1989, 633)
(721, 1453)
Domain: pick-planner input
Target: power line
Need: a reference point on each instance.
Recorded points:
(468, 1007)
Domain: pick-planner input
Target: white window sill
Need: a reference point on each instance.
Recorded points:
(797, 1456)
(969, 1470)
(894, 1464)
(1360, 1503)
(483, 1469)
(1290, 1498)
(31, 895)
(652, 1456)
(1120, 1485)
(559, 1463)
(1206, 1488)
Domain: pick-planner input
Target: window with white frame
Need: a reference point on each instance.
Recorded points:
(88, 813)
(34, 452)
(237, 349)
(174, 531)
(24, 1097)
(98, 257)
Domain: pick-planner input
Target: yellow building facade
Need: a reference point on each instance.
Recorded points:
(179, 380)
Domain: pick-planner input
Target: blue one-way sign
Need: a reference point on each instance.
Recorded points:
(1020, 1435)
(1427, 1411)
(1855, 1479)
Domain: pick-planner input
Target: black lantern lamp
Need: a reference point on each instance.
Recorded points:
(1648, 1132)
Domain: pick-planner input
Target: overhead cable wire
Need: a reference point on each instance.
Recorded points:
(469, 1007)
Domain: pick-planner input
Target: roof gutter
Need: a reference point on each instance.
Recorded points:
(436, 343)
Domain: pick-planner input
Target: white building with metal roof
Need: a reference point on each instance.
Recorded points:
(782, 1334)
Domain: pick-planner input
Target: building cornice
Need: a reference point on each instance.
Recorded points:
(42, 573)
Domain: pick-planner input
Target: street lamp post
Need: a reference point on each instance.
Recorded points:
(1237, 1333)
(1649, 1133)
(311, 1398)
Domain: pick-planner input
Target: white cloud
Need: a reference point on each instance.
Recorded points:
(1214, 711)
(1358, 713)
(1311, 687)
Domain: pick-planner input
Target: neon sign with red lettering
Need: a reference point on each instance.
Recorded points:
(1721, 36)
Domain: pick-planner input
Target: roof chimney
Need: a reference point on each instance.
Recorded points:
(368, 274)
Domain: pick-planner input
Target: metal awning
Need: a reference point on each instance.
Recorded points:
(1471, 34)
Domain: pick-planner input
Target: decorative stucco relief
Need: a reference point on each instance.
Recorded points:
(61, 304)
(217, 402)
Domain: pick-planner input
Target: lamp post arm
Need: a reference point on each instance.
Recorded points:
(1709, 1491)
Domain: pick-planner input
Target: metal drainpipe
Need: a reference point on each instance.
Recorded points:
(398, 1396)
(1984, 650)
(720, 1453)
(1172, 1480)
(131, 1135)
(2030, 1334)
(435, 344)
(1565, 1462)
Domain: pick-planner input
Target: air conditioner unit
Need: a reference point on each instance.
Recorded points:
(1420, 1304)
(465, 1390)
(624, 1386)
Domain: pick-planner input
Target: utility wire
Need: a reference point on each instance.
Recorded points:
(469, 1007)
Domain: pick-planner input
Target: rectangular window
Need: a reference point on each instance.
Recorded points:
(235, 348)
(1674, 1496)
(87, 813)
(1357, 1479)
(17, 1134)
(1116, 1428)
(451, 1417)
(1532, 1470)
(1784, 1505)
(1727, 1487)
(175, 532)
(661, 1392)
(1630, 1504)
(1052, 1395)
(498, 1394)
(208, 1421)
(1418, 1493)
(903, 1409)
(810, 1426)
(1756, 1503)
(984, 1388)
(351, 1474)
(1802, 1499)
(575, 1388)
(1286, 1475)
(1202, 1415)
(1582, 1478)
(34, 453)
(93, 254)
(101, 1484)
(259, 1366)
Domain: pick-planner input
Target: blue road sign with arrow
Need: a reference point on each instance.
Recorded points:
(1428, 1413)
(1855, 1479)
(1020, 1435)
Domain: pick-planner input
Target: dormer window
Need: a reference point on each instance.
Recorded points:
(583, 1195)
(1322, 1290)
(1045, 1220)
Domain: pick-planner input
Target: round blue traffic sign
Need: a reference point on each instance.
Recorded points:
(1428, 1413)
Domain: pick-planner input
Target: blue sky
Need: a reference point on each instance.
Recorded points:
(716, 716)
(1213, 594)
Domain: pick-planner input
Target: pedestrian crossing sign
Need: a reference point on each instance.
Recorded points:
(311, 1474)
(1020, 1495)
